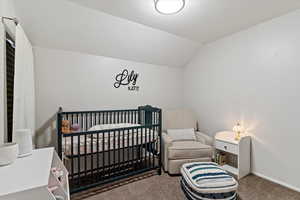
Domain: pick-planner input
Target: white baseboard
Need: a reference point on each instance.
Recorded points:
(276, 181)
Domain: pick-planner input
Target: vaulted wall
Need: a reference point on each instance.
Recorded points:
(253, 76)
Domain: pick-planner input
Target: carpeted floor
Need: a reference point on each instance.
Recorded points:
(165, 187)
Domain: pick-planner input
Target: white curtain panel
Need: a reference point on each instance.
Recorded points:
(2, 83)
(24, 92)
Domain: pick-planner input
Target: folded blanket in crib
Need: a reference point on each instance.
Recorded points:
(112, 126)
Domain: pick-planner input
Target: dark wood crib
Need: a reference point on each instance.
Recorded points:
(99, 147)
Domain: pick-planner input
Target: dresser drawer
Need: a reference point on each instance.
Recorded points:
(227, 147)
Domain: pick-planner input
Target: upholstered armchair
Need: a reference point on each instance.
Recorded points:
(176, 152)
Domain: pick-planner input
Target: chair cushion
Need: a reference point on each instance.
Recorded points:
(188, 150)
(182, 134)
(207, 178)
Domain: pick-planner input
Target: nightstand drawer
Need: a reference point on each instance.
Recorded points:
(227, 147)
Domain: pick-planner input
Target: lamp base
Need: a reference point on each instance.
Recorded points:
(237, 136)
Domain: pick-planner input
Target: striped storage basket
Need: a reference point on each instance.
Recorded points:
(207, 181)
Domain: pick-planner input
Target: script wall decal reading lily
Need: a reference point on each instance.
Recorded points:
(127, 79)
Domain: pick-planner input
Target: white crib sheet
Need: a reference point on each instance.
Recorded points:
(109, 141)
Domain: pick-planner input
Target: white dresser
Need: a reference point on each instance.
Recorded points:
(225, 142)
(41, 176)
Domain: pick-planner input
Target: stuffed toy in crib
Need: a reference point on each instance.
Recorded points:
(65, 127)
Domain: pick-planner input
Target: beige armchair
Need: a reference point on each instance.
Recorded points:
(176, 153)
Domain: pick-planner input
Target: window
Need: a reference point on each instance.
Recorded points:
(10, 72)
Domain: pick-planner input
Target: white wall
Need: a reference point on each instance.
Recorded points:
(253, 76)
(85, 82)
(7, 9)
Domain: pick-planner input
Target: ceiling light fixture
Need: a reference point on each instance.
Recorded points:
(169, 7)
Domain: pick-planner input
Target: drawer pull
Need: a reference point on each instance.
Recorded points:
(225, 147)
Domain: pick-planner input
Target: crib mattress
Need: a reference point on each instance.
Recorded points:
(108, 141)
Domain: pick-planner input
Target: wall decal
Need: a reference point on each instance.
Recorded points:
(127, 79)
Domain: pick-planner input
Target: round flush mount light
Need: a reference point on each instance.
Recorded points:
(169, 7)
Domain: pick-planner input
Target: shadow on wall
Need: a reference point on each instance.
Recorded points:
(46, 135)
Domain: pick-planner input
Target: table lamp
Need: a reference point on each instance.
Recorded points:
(238, 129)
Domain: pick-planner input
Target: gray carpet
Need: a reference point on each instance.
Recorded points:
(166, 187)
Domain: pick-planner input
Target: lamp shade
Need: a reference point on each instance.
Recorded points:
(238, 128)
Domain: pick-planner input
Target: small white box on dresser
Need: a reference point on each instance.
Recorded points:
(41, 176)
(225, 142)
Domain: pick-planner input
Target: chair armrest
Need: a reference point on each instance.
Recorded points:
(202, 137)
(166, 138)
(166, 143)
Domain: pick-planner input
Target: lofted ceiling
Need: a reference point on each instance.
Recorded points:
(133, 30)
(201, 20)
(61, 24)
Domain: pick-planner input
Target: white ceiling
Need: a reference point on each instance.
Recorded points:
(133, 30)
(61, 24)
(201, 20)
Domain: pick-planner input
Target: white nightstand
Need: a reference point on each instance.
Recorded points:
(225, 142)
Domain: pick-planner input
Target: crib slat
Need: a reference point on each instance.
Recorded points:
(106, 118)
(72, 119)
(108, 153)
(158, 150)
(123, 146)
(152, 147)
(132, 146)
(128, 148)
(92, 154)
(98, 151)
(103, 154)
(78, 159)
(114, 150)
(137, 148)
(81, 120)
(145, 146)
(101, 118)
(91, 120)
(141, 147)
(119, 151)
(160, 144)
(85, 148)
(77, 118)
(134, 117)
(72, 159)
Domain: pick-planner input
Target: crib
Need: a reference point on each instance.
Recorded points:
(99, 147)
